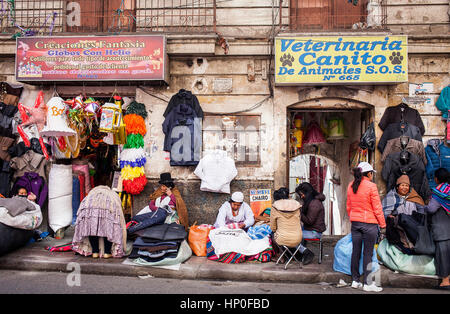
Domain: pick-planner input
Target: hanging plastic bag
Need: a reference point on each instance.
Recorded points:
(368, 139)
(197, 238)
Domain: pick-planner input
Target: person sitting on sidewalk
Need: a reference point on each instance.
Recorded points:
(235, 211)
(312, 217)
(168, 194)
(22, 192)
(285, 220)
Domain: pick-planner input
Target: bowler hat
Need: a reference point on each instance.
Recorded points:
(165, 178)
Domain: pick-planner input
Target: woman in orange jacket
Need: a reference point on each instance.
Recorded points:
(366, 215)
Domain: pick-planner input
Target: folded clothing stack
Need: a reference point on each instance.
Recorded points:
(158, 242)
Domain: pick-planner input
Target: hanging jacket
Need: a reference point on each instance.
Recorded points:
(413, 146)
(186, 97)
(438, 156)
(394, 130)
(7, 113)
(183, 136)
(443, 101)
(20, 148)
(32, 182)
(30, 162)
(5, 178)
(216, 170)
(394, 115)
(414, 169)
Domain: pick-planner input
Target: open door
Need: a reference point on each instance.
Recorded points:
(325, 160)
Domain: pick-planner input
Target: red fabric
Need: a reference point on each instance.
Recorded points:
(82, 186)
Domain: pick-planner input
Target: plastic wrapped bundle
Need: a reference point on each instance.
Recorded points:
(60, 196)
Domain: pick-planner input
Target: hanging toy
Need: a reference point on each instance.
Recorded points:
(34, 116)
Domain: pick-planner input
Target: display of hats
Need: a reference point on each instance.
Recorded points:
(57, 124)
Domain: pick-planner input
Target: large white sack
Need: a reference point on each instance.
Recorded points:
(60, 196)
(226, 240)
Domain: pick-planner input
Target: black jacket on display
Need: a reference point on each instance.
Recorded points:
(394, 115)
(182, 128)
(414, 168)
(395, 130)
(186, 97)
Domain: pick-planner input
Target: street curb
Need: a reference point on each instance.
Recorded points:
(201, 269)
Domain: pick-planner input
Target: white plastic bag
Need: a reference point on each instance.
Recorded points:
(60, 196)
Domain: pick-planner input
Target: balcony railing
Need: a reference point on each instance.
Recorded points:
(329, 15)
(46, 17)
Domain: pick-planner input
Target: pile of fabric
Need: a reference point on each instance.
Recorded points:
(232, 245)
(158, 239)
(18, 218)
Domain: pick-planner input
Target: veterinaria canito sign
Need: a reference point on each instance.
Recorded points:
(341, 59)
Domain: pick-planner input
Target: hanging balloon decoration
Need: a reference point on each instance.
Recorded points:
(132, 158)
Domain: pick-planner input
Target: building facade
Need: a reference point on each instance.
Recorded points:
(225, 53)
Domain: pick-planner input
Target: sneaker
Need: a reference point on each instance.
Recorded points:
(372, 288)
(308, 256)
(356, 285)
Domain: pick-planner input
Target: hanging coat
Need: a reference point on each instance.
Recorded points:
(394, 115)
(186, 97)
(183, 136)
(414, 168)
(438, 156)
(394, 130)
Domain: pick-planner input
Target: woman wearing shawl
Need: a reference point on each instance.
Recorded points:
(439, 207)
(403, 199)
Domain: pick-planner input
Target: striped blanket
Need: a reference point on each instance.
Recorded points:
(441, 193)
(236, 258)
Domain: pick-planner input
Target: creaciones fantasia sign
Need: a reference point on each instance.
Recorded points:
(341, 59)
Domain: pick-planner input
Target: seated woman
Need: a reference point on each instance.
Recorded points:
(312, 217)
(235, 211)
(402, 200)
(285, 219)
(168, 194)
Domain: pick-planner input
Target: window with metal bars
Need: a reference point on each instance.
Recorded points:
(239, 135)
(32, 17)
(336, 14)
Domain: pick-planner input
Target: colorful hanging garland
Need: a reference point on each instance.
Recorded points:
(132, 158)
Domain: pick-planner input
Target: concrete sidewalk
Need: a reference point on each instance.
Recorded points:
(35, 257)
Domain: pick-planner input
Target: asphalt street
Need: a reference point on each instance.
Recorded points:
(27, 282)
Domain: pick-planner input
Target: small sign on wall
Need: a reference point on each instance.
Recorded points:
(260, 200)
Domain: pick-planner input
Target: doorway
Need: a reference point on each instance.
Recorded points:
(323, 147)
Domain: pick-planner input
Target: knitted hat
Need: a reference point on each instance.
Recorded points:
(403, 179)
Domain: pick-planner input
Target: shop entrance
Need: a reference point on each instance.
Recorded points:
(323, 147)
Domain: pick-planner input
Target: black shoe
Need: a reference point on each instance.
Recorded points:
(308, 256)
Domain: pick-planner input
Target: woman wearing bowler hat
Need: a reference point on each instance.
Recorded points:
(168, 194)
